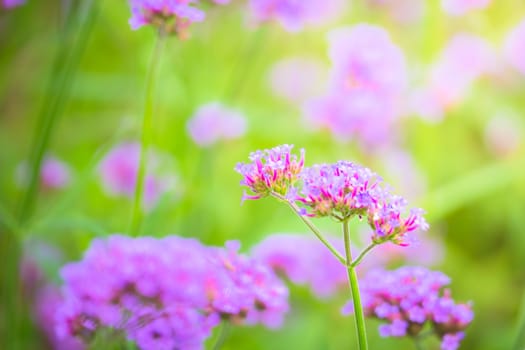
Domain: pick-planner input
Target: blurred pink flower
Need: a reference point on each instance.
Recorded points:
(402, 11)
(464, 59)
(303, 260)
(118, 172)
(294, 15)
(515, 47)
(54, 173)
(461, 7)
(504, 134)
(11, 3)
(368, 78)
(297, 79)
(214, 122)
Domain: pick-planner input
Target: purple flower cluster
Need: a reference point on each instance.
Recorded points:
(409, 298)
(170, 16)
(166, 293)
(515, 46)
(341, 190)
(118, 173)
(213, 122)
(293, 15)
(461, 7)
(368, 76)
(54, 173)
(271, 170)
(303, 261)
(11, 3)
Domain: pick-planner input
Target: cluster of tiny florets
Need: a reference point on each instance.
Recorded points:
(165, 293)
(271, 171)
(409, 299)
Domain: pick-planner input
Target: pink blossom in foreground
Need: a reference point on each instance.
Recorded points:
(118, 173)
(166, 293)
(214, 122)
(294, 15)
(271, 170)
(461, 7)
(54, 173)
(303, 260)
(464, 59)
(11, 3)
(368, 78)
(411, 297)
(515, 47)
(297, 79)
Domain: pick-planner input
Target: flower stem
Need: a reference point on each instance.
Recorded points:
(223, 334)
(354, 287)
(519, 341)
(362, 255)
(153, 69)
(312, 227)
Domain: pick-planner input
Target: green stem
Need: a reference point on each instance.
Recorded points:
(146, 133)
(418, 343)
(66, 62)
(362, 255)
(223, 334)
(312, 227)
(354, 286)
(519, 342)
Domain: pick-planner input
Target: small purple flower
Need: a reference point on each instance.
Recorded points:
(54, 173)
(170, 16)
(214, 122)
(271, 170)
(11, 3)
(119, 169)
(515, 47)
(411, 297)
(461, 7)
(303, 261)
(294, 15)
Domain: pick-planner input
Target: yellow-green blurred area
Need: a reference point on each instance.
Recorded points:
(474, 197)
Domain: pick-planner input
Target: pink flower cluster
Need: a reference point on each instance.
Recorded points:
(409, 298)
(213, 122)
(54, 173)
(166, 293)
(303, 261)
(293, 15)
(170, 16)
(464, 59)
(515, 47)
(346, 189)
(341, 190)
(461, 7)
(118, 172)
(368, 76)
(271, 170)
(11, 3)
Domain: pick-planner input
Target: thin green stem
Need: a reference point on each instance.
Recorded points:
(362, 255)
(418, 343)
(519, 341)
(147, 130)
(66, 62)
(312, 227)
(223, 334)
(354, 287)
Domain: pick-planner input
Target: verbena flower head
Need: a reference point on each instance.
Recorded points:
(410, 299)
(11, 3)
(165, 293)
(271, 170)
(118, 172)
(304, 261)
(170, 16)
(294, 15)
(515, 46)
(364, 57)
(213, 122)
(462, 7)
(54, 173)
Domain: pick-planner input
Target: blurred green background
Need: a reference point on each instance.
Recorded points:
(474, 198)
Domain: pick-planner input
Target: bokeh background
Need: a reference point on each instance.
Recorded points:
(466, 168)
